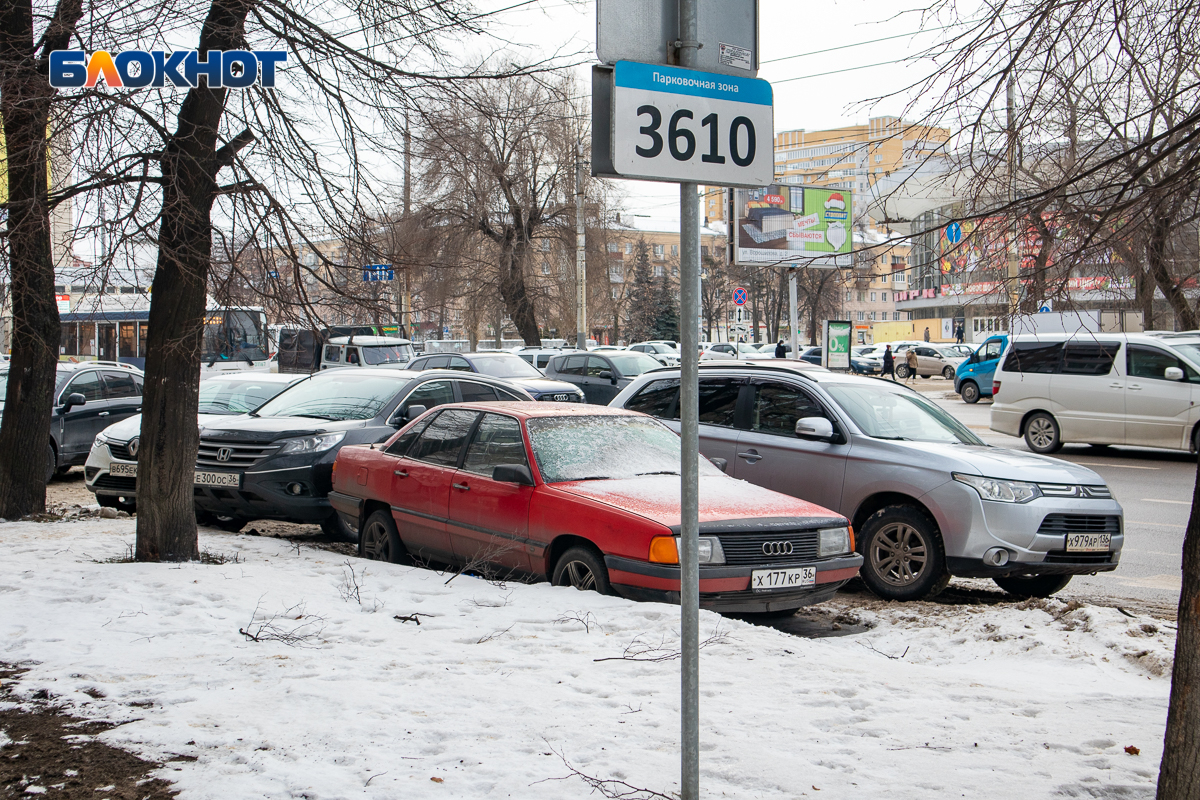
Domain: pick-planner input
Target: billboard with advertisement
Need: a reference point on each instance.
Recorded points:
(836, 351)
(804, 225)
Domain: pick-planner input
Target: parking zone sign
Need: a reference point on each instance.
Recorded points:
(676, 124)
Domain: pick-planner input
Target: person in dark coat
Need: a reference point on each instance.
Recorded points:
(889, 363)
(780, 350)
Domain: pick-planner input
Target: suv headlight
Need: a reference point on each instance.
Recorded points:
(100, 439)
(312, 444)
(1000, 491)
(833, 542)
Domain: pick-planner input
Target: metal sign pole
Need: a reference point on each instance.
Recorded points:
(581, 335)
(689, 414)
(793, 313)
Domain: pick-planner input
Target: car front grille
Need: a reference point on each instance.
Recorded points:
(560, 397)
(748, 548)
(239, 455)
(1062, 524)
(114, 483)
(1070, 490)
(120, 451)
(1063, 557)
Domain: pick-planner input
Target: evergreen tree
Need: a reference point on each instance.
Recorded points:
(643, 311)
(666, 321)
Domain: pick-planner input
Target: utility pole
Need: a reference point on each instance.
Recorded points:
(793, 313)
(581, 336)
(689, 434)
(1014, 266)
(401, 272)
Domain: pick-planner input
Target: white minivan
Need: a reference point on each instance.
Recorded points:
(1099, 388)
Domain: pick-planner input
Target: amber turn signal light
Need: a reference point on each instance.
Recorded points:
(663, 550)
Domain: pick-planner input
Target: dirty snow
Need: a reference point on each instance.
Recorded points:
(1021, 701)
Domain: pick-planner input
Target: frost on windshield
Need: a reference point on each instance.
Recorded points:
(333, 396)
(600, 447)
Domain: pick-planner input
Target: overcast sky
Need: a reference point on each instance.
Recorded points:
(804, 97)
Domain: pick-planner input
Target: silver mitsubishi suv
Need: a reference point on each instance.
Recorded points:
(927, 498)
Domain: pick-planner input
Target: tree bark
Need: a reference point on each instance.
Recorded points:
(1156, 257)
(1179, 772)
(166, 525)
(25, 100)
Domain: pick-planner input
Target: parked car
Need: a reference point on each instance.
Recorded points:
(812, 355)
(585, 497)
(367, 351)
(661, 351)
(110, 471)
(729, 351)
(964, 350)
(276, 462)
(600, 375)
(931, 361)
(1100, 389)
(540, 356)
(927, 498)
(88, 397)
(866, 360)
(973, 378)
(509, 367)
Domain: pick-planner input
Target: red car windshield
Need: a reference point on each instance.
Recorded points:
(603, 447)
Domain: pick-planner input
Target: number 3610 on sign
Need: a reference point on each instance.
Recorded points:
(675, 124)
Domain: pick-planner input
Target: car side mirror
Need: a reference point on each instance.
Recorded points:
(74, 399)
(605, 373)
(1173, 374)
(814, 428)
(412, 412)
(720, 463)
(513, 473)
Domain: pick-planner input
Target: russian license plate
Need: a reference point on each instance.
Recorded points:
(1089, 542)
(767, 580)
(122, 470)
(233, 479)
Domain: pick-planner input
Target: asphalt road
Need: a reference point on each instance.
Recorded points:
(1154, 487)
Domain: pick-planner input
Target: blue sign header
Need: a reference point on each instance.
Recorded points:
(678, 80)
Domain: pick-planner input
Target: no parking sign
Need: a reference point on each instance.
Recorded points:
(739, 296)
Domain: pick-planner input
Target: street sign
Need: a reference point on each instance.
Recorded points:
(378, 272)
(836, 350)
(273, 274)
(675, 124)
(647, 30)
(739, 296)
(1046, 307)
(64, 303)
(954, 233)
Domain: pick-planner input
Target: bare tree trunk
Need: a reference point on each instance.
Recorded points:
(25, 97)
(1179, 772)
(518, 303)
(1156, 258)
(1037, 284)
(166, 525)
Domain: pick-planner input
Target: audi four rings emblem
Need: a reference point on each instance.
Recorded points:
(224, 454)
(777, 548)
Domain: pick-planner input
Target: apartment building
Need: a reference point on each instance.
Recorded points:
(879, 279)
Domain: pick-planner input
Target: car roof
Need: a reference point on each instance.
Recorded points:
(265, 377)
(529, 410)
(368, 340)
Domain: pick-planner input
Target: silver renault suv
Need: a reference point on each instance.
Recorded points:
(927, 498)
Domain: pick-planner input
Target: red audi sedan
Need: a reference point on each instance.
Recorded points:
(586, 496)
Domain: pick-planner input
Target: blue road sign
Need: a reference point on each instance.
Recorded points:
(954, 233)
(739, 296)
(273, 273)
(378, 272)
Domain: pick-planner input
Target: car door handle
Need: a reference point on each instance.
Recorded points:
(751, 456)
(1114, 385)
(462, 486)
(102, 414)
(399, 473)
(1134, 387)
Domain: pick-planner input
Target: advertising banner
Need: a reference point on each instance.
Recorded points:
(801, 225)
(836, 351)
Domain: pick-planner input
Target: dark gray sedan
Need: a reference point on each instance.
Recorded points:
(601, 375)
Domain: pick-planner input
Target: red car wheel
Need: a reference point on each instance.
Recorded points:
(583, 568)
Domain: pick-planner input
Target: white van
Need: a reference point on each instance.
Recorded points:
(1099, 388)
(367, 351)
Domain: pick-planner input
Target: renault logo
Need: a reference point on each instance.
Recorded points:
(224, 454)
(777, 548)
(134, 444)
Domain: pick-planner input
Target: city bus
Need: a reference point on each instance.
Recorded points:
(112, 330)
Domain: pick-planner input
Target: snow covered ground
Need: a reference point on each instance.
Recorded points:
(478, 700)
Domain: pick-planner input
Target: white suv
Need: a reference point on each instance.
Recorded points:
(1099, 388)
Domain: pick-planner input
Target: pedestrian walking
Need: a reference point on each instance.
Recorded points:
(889, 363)
(927, 334)
(780, 350)
(910, 359)
(959, 333)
